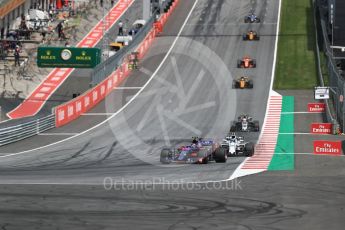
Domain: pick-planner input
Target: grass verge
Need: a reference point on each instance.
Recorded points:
(296, 64)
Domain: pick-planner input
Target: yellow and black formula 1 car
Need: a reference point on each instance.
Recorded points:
(251, 36)
(242, 83)
(246, 62)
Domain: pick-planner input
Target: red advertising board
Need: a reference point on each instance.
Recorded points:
(316, 107)
(321, 128)
(327, 147)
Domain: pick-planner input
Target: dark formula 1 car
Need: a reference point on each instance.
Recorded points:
(251, 18)
(245, 123)
(251, 36)
(246, 62)
(235, 145)
(201, 151)
(242, 83)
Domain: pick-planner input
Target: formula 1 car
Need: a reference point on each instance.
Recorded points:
(251, 36)
(246, 62)
(235, 145)
(245, 123)
(242, 83)
(201, 151)
(251, 18)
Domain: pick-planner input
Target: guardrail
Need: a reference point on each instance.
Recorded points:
(19, 132)
(336, 81)
(105, 83)
(329, 115)
(104, 69)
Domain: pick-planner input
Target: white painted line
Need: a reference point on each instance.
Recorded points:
(273, 69)
(128, 87)
(57, 134)
(304, 134)
(127, 104)
(239, 172)
(227, 24)
(310, 154)
(97, 114)
(301, 112)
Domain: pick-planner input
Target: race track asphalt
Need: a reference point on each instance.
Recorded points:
(61, 186)
(190, 95)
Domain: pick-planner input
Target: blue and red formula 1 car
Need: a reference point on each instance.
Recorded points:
(200, 151)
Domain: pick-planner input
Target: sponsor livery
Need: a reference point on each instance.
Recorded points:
(316, 107)
(321, 128)
(327, 147)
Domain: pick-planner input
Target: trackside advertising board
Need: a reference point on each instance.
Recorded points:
(327, 147)
(68, 57)
(316, 107)
(321, 128)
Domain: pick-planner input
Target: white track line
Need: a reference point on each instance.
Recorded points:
(57, 134)
(304, 134)
(125, 106)
(301, 112)
(97, 114)
(128, 87)
(274, 62)
(310, 154)
(238, 172)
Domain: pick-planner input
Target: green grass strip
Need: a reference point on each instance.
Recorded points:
(296, 63)
(285, 143)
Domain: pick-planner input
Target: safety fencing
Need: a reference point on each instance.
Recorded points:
(25, 130)
(104, 69)
(335, 81)
(71, 110)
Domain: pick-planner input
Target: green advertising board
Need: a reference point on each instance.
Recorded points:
(68, 57)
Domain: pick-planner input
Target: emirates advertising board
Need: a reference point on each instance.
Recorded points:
(327, 147)
(316, 107)
(321, 128)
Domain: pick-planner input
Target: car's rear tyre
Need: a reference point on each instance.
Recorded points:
(258, 20)
(238, 127)
(250, 84)
(239, 64)
(220, 155)
(234, 84)
(249, 149)
(254, 63)
(166, 156)
(256, 126)
(234, 127)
